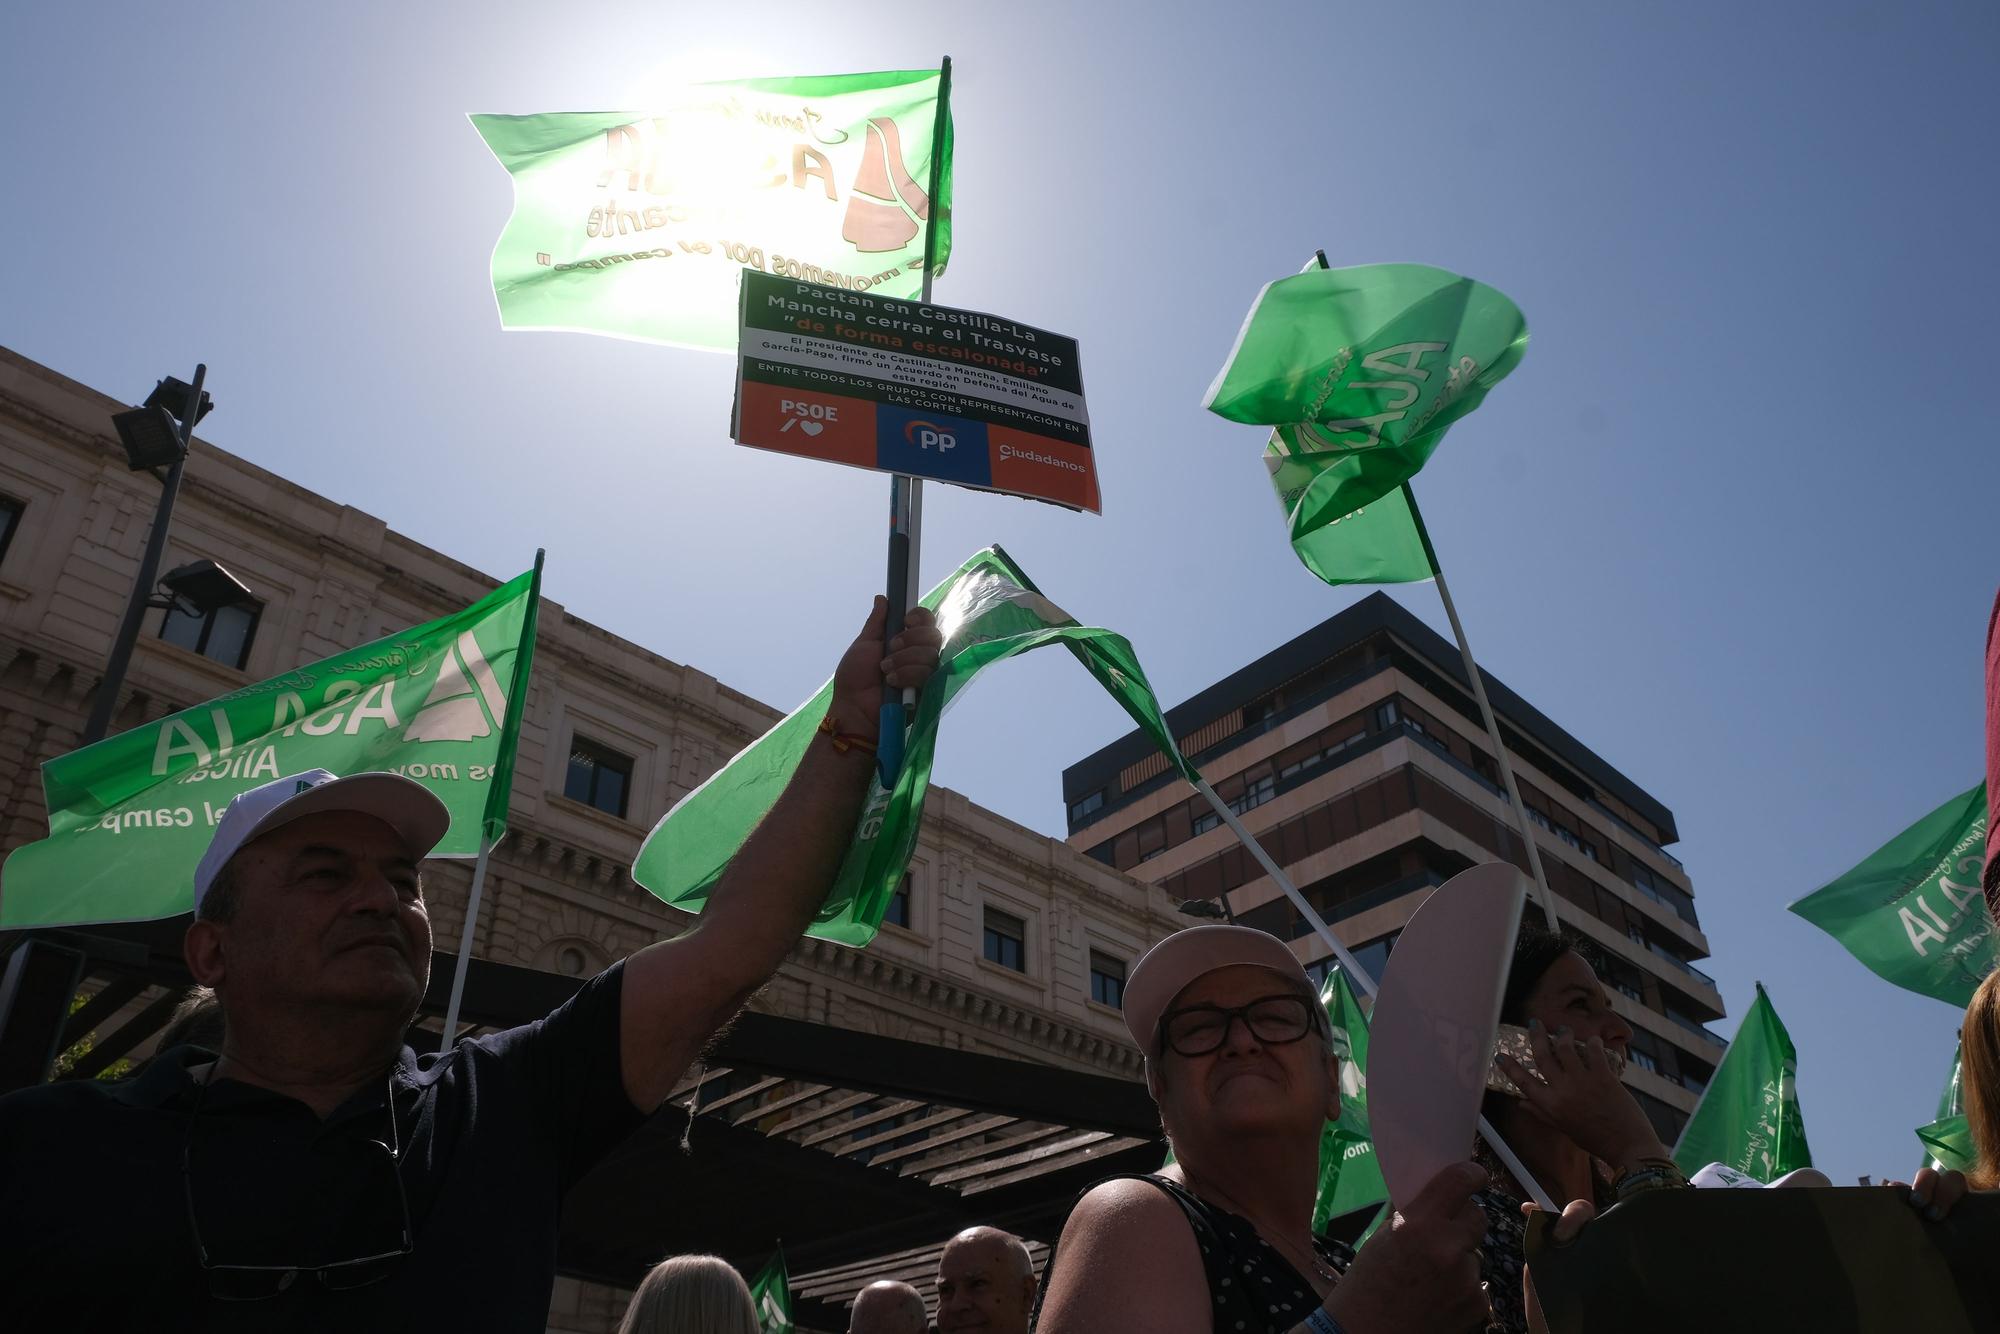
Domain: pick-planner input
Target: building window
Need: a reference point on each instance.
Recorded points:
(10, 519)
(1259, 710)
(1205, 821)
(1006, 940)
(598, 776)
(1386, 715)
(899, 905)
(223, 635)
(1107, 980)
(1089, 805)
(1644, 1060)
(1256, 794)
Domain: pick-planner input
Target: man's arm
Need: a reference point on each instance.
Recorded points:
(678, 992)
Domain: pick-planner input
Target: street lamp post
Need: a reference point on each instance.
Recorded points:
(154, 434)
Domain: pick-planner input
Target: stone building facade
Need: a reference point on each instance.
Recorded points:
(327, 576)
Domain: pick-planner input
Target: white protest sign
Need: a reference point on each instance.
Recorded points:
(1431, 1033)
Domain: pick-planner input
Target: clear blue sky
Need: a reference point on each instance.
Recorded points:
(1727, 523)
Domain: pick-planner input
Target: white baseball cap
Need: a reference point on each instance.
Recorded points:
(1170, 966)
(1717, 1176)
(405, 805)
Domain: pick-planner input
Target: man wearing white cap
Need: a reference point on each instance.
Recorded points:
(316, 1175)
(1240, 1060)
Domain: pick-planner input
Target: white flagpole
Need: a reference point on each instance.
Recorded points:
(1352, 967)
(1527, 830)
(465, 946)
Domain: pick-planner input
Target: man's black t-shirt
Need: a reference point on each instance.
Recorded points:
(94, 1203)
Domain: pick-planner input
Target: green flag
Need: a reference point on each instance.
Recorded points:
(130, 816)
(771, 1294)
(1377, 543)
(1912, 912)
(1948, 1145)
(637, 223)
(1749, 1117)
(988, 610)
(1349, 1176)
(1947, 1140)
(1369, 365)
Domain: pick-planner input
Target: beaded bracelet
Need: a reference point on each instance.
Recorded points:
(1655, 1174)
(844, 741)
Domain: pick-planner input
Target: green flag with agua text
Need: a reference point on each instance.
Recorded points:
(1912, 912)
(130, 816)
(638, 223)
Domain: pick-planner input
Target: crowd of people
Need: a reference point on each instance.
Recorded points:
(290, 1163)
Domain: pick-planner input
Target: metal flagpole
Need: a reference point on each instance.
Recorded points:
(906, 494)
(465, 945)
(501, 792)
(1543, 897)
(1547, 900)
(1353, 969)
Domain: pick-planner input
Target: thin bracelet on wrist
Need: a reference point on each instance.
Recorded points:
(843, 742)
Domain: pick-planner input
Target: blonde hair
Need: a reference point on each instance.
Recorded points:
(691, 1294)
(1979, 1080)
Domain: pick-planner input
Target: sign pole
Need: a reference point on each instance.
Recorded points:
(906, 494)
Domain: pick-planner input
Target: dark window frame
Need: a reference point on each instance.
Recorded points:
(996, 936)
(1115, 979)
(903, 895)
(203, 635)
(12, 508)
(598, 753)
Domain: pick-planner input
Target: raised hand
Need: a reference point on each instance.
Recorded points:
(1420, 1275)
(1575, 1088)
(909, 660)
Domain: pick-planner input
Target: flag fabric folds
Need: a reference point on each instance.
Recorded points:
(637, 223)
(988, 610)
(771, 1295)
(1947, 1140)
(1748, 1118)
(1378, 543)
(130, 816)
(1349, 1177)
(1912, 912)
(1363, 370)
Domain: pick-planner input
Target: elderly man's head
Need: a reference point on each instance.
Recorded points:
(986, 1281)
(310, 897)
(888, 1307)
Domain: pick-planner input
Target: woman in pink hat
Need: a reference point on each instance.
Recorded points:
(1241, 1063)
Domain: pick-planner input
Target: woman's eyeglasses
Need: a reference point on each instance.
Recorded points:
(256, 1283)
(1200, 1029)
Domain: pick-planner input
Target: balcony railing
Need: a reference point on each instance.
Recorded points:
(1680, 963)
(1698, 1030)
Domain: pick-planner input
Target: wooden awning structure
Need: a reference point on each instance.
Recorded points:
(860, 1154)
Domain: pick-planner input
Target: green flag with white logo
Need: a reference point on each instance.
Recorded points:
(638, 223)
(1947, 1140)
(1366, 367)
(1349, 1176)
(1376, 543)
(1912, 912)
(771, 1295)
(988, 610)
(1748, 1118)
(130, 816)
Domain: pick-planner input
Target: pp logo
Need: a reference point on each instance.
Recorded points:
(929, 435)
(808, 417)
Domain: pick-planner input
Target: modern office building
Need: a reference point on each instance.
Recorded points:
(1356, 755)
